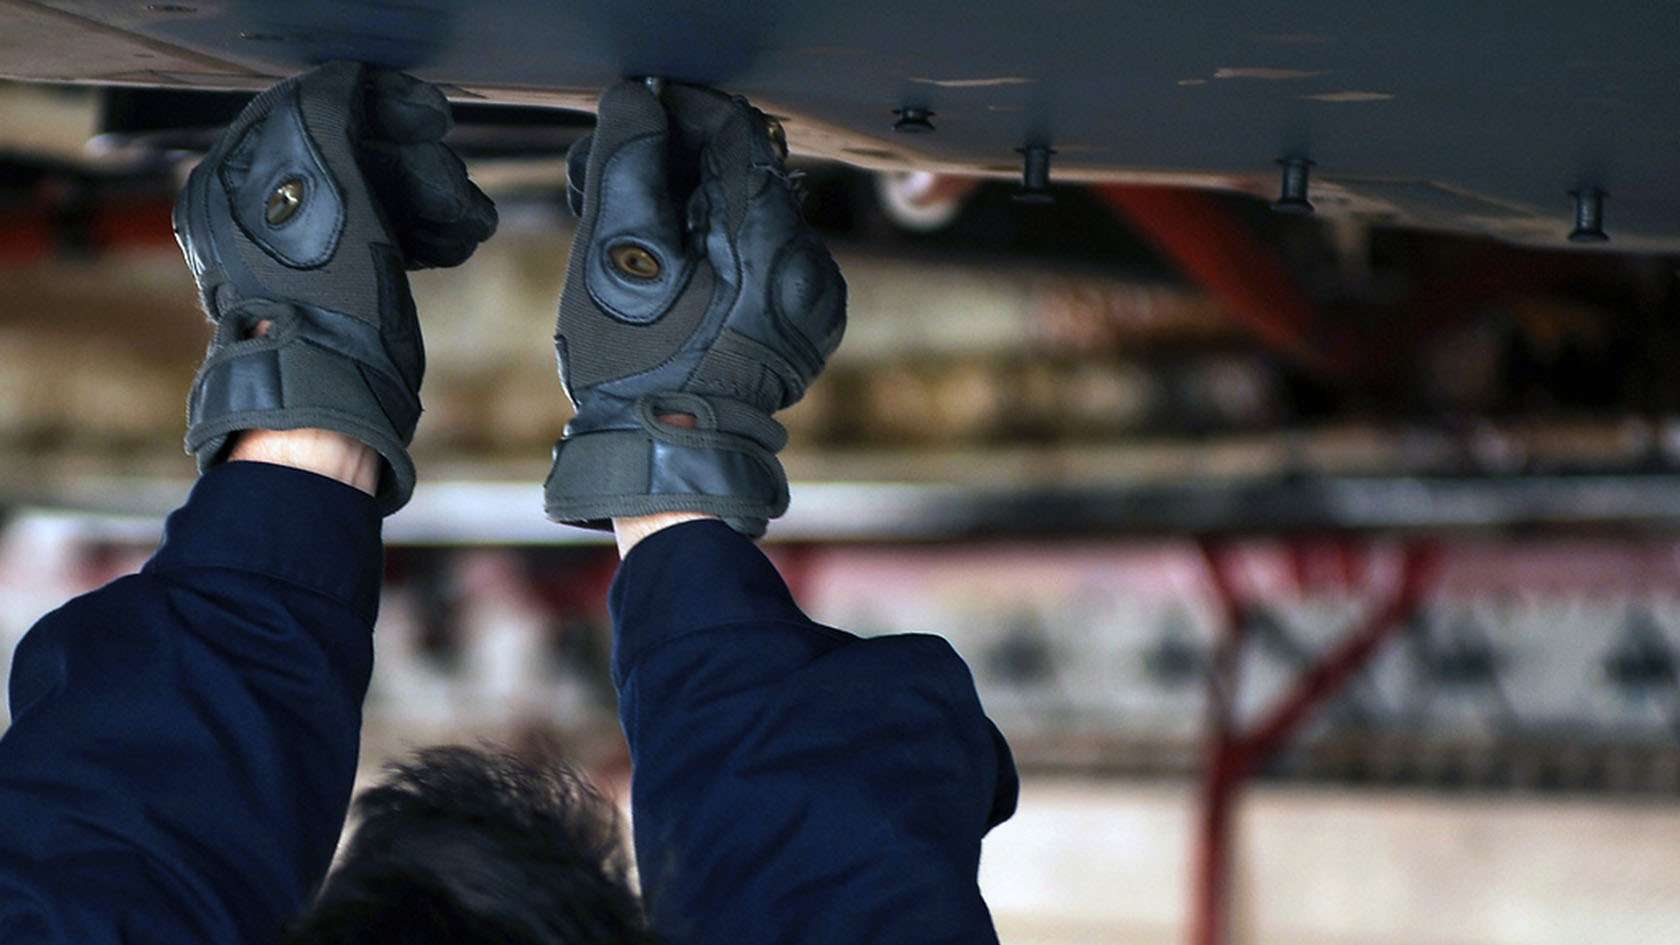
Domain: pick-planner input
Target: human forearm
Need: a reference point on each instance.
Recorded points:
(323, 452)
(630, 531)
(792, 774)
(184, 740)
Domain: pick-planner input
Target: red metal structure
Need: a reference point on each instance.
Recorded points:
(51, 227)
(1215, 250)
(1234, 755)
(1245, 275)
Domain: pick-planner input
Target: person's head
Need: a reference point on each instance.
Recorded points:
(466, 846)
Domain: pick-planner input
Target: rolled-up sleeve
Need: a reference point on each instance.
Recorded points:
(184, 739)
(794, 783)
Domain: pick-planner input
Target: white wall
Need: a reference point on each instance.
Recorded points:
(1089, 862)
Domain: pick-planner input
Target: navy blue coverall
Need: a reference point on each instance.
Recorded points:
(184, 741)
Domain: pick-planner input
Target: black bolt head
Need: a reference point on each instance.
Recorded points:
(1292, 197)
(1035, 175)
(1589, 217)
(1294, 206)
(915, 121)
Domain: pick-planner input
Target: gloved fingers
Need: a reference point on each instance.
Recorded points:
(698, 114)
(403, 109)
(627, 172)
(429, 249)
(577, 172)
(751, 196)
(335, 85)
(741, 160)
(431, 183)
(425, 192)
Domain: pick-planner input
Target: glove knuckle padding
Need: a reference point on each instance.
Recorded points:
(345, 351)
(808, 294)
(744, 309)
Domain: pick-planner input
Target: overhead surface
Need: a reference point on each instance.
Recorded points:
(1478, 117)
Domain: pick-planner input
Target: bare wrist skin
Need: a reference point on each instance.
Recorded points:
(630, 530)
(323, 452)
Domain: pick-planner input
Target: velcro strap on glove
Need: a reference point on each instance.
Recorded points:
(314, 368)
(725, 465)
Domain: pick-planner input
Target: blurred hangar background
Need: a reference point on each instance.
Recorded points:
(1322, 567)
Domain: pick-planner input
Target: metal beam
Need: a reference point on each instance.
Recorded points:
(1235, 754)
(1220, 254)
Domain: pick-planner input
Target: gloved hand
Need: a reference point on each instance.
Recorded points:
(694, 288)
(306, 214)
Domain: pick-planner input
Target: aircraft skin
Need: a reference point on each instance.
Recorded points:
(1481, 118)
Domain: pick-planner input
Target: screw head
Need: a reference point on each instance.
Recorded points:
(1294, 206)
(1292, 196)
(284, 202)
(913, 120)
(1035, 175)
(1589, 216)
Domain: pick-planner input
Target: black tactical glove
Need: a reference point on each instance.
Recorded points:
(306, 214)
(694, 288)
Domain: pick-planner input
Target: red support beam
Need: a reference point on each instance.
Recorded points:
(36, 233)
(1211, 892)
(1321, 683)
(1233, 755)
(1211, 865)
(121, 223)
(26, 237)
(1245, 275)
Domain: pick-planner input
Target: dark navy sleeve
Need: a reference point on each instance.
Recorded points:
(184, 739)
(795, 784)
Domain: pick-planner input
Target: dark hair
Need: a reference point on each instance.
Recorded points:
(465, 845)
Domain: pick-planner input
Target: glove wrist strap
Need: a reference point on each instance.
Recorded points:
(601, 475)
(287, 384)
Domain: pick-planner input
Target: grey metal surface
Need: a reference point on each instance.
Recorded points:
(1474, 116)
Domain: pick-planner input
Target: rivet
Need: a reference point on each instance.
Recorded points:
(1293, 196)
(913, 120)
(1589, 216)
(284, 202)
(1035, 175)
(634, 261)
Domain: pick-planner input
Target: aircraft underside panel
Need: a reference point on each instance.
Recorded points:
(1476, 117)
